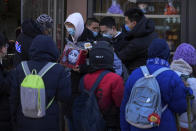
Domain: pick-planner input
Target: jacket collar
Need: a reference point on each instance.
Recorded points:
(157, 61)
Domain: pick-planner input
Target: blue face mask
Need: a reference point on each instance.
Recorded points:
(95, 33)
(128, 29)
(107, 35)
(71, 31)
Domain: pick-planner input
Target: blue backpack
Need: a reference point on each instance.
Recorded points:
(86, 113)
(144, 109)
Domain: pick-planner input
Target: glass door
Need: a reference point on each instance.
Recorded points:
(54, 8)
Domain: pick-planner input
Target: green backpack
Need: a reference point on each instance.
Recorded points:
(32, 92)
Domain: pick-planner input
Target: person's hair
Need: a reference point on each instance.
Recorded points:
(89, 21)
(108, 21)
(134, 14)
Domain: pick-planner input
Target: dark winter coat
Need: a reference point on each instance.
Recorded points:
(5, 116)
(133, 51)
(117, 40)
(57, 84)
(30, 29)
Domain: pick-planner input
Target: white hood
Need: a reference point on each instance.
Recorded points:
(77, 20)
(181, 66)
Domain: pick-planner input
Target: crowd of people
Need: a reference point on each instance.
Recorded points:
(126, 83)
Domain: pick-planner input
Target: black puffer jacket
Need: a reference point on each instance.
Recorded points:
(5, 116)
(30, 29)
(133, 51)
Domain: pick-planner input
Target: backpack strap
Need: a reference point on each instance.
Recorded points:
(46, 68)
(95, 85)
(25, 68)
(145, 71)
(159, 71)
(42, 72)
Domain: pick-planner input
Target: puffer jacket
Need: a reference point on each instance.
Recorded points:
(133, 49)
(173, 93)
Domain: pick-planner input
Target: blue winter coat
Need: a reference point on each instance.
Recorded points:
(57, 83)
(173, 93)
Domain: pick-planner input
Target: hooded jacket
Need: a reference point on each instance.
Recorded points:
(172, 88)
(57, 84)
(182, 67)
(30, 29)
(133, 50)
(77, 20)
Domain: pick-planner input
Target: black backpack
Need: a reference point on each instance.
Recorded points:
(86, 113)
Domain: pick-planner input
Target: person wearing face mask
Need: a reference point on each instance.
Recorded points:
(109, 31)
(91, 30)
(110, 34)
(139, 34)
(74, 25)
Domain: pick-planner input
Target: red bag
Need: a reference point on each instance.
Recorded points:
(72, 58)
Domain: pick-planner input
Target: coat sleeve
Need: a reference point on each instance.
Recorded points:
(117, 65)
(128, 52)
(192, 83)
(123, 124)
(177, 95)
(64, 89)
(117, 91)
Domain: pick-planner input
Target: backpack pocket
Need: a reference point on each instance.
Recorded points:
(144, 97)
(144, 114)
(29, 101)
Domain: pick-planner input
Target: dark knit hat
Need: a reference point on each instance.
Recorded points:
(186, 52)
(159, 48)
(101, 56)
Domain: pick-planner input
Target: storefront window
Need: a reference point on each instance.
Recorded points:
(9, 17)
(54, 8)
(165, 14)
